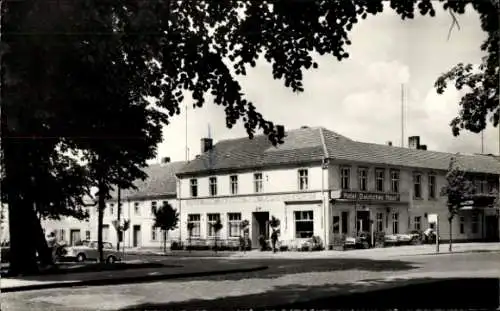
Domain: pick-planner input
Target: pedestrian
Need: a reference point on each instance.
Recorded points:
(274, 239)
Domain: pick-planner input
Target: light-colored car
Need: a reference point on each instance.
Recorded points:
(87, 250)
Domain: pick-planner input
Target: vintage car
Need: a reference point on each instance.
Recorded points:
(87, 250)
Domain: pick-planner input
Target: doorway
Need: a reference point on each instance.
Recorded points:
(74, 236)
(491, 228)
(363, 221)
(136, 237)
(260, 226)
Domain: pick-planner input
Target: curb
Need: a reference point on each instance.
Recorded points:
(452, 253)
(127, 280)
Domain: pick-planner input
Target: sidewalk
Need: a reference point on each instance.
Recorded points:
(374, 253)
(115, 277)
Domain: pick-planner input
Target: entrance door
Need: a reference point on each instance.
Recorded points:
(363, 221)
(74, 236)
(260, 226)
(136, 239)
(491, 226)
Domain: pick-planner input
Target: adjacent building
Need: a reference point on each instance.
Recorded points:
(137, 206)
(321, 183)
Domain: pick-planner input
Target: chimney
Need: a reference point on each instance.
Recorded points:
(165, 160)
(422, 147)
(206, 144)
(389, 143)
(414, 142)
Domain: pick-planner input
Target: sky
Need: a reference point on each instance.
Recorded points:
(360, 97)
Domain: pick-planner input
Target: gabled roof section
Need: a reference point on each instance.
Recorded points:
(161, 181)
(313, 144)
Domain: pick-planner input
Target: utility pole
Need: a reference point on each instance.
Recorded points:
(402, 116)
(118, 227)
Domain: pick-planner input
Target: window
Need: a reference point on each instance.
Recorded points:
(363, 179)
(483, 187)
(432, 225)
(153, 207)
(395, 223)
(137, 209)
(462, 224)
(475, 223)
(193, 185)
(380, 222)
(212, 185)
(303, 179)
(379, 180)
(154, 232)
(395, 181)
(234, 184)
(304, 224)
(417, 223)
(345, 178)
(432, 186)
(107, 245)
(62, 235)
(257, 180)
(336, 224)
(345, 221)
(234, 224)
(87, 235)
(417, 186)
(212, 219)
(111, 209)
(195, 220)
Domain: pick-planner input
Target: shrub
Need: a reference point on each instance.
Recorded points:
(248, 244)
(264, 244)
(379, 238)
(176, 245)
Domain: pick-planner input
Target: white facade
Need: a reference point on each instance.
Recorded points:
(141, 232)
(281, 196)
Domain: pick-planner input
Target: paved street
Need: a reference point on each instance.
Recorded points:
(287, 283)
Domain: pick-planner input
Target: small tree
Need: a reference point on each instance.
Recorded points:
(166, 218)
(190, 227)
(458, 189)
(274, 223)
(217, 225)
(243, 238)
(120, 230)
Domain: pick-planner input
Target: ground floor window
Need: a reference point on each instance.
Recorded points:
(462, 224)
(345, 222)
(212, 219)
(336, 224)
(380, 222)
(304, 224)
(417, 222)
(395, 223)
(475, 223)
(194, 219)
(234, 224)
(154, 232)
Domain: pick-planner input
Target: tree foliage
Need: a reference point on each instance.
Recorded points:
(458, 190)
(166, 217)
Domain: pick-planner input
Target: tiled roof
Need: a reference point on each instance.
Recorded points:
(312, 144)
(161, 181)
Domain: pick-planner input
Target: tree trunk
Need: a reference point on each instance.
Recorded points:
(44, 252)
(164, 241)
(100, 219)
(22, 252)
(450, 221)
(118, 232)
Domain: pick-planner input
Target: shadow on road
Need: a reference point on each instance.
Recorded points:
(462, 293)
(278, 267)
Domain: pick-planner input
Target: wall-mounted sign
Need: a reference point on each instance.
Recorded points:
(369, 196)
(432, 218)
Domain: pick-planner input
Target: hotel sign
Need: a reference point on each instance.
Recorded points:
(369, 196)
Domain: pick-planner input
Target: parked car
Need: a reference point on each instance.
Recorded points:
(363, 240)
(87, 250)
